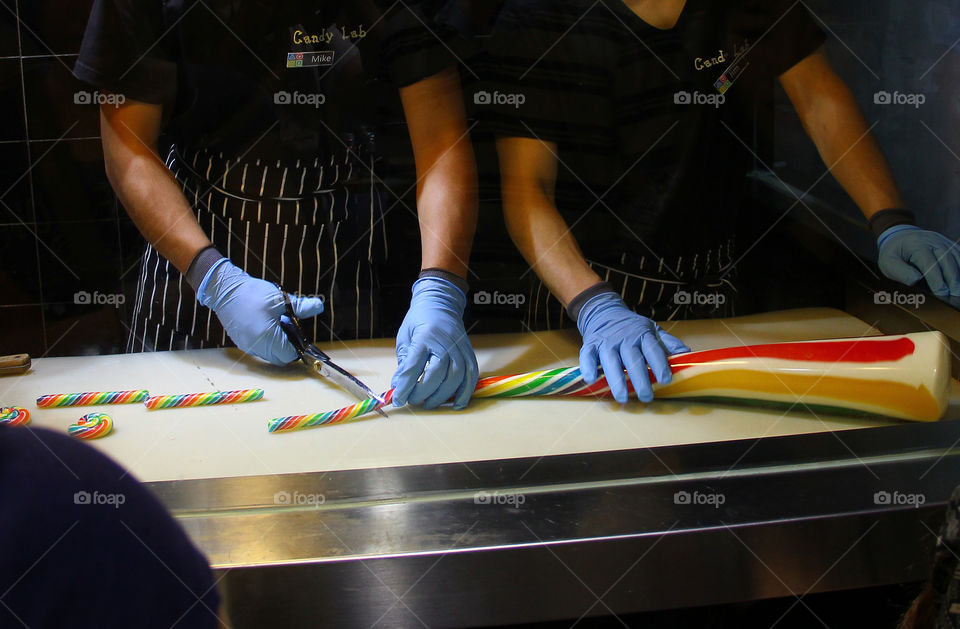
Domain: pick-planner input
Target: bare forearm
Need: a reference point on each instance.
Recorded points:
(446, 170)
(542, 236)
(146, 188)
(836, 125)
(447, 210)
(158, 208)
(843, 140)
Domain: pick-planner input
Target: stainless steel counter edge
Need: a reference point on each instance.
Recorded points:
(334, 516)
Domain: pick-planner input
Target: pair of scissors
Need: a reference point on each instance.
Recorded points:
(318, 361)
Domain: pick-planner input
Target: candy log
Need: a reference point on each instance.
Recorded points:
(906, 377)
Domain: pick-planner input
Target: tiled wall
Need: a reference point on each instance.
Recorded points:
(62, 232)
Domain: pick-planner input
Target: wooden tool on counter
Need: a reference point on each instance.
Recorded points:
(14, 365)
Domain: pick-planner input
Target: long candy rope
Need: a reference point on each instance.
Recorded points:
(91, 398)
(204, 399)
(563, 381)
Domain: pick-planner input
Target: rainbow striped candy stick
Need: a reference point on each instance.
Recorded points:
(204, 399)
(92, 398)
(296, 422)
(562, 381)
(92, 426)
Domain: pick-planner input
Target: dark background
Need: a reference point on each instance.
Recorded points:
(62, 230)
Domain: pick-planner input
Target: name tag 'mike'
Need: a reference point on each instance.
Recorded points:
(309, 59)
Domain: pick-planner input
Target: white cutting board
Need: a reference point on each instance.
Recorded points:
(221, 441)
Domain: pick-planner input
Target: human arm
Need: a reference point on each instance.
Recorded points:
(248, 308)
(145, 186)
(434, 355)
(613, 335)
(833, 120)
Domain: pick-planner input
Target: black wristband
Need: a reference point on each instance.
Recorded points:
(443, 274)
(201, 263)
(577, 303)
(885, 219)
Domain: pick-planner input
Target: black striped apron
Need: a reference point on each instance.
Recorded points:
(314, 227)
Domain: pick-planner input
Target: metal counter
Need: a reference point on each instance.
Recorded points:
(522, 540)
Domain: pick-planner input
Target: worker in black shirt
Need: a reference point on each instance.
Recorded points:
(623, 132)
(265, 115)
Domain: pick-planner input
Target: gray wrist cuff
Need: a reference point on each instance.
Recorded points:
(885, 219)
(577, 303)
(202, 262)
(443, 274)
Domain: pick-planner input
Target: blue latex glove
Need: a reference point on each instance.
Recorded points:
(432, 341)
(618, 337)
(908, 253)
(249, 310)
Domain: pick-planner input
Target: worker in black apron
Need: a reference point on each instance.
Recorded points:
(242, 141)
(623, 166)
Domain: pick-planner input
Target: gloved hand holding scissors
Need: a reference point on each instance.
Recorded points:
(250, 311)
(264, 320)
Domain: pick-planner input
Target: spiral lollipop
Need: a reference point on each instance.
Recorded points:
(92, 426)
(91, 398)
(14, 416)
(204, 399)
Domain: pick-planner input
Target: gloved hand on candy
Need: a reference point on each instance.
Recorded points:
(432, 342)
(619, 338)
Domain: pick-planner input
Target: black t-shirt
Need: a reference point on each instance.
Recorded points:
(280, 77)
(655, 122)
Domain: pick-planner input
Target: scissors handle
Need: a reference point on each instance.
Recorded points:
(291, 328)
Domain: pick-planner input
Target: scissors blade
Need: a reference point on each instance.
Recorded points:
(343, 378)
(311, 355)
